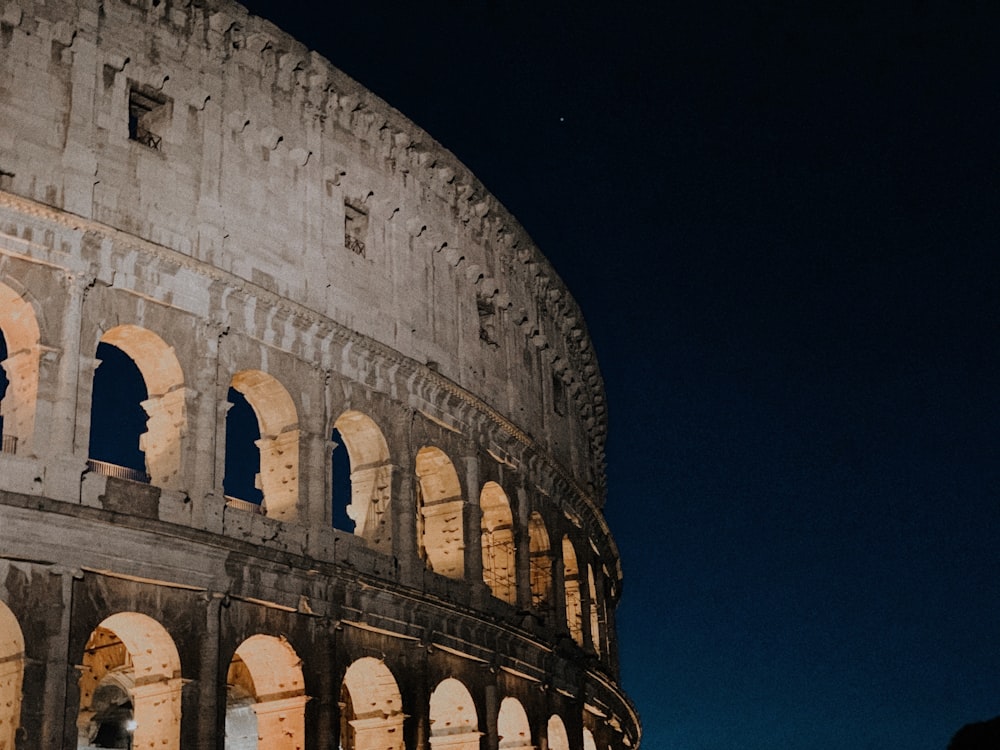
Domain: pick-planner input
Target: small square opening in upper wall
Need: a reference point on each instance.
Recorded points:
(355, 228)
(148, 115)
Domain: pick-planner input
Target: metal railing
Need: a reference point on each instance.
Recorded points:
(8, 444)
(244, 505)
(116, 471)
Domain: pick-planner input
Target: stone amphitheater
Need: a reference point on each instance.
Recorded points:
(415, 555)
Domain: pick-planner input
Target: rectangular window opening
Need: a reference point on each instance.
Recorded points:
(148, 112)
(355, 229)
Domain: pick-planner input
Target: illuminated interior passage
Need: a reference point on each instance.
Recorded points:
(130, 686)
(571, 580)
(371, 715)
(11, 676)
(499, 563)
(540, 562)
(454, 722)
(556, 732)
(440, 513)
(595, 625)
(512, 726)
(266, 696)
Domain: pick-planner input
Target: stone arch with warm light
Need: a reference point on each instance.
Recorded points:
(268, 671)
(572, 592)
(132, 654)
(164, 404)
(11, 676)
(440, 505)
(595, 620)
(278, 421)
(453, 717)
(556, 734)
(499, 560)
(371, 478)
(513, 727)
(19, 326)
(539, 562)
(371, 707)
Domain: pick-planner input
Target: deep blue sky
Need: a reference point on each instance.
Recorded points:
(781, 223)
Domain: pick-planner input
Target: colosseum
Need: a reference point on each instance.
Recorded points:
(361, 506)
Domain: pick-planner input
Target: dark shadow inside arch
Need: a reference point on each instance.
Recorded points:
(340, 482)
(117, 418)
(242, 453)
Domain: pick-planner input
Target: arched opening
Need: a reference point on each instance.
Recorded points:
(265, 696)
(539, 562)
(512, 726)
(241, 481)
(138, 411)
(362, 479)
(588, 740)
(571, 587)
(130, 686)
(18, 370)
(439, 501)
(269, 441)
(116, 418)
(371, 709)
(556, 733)
(499, 563)
(11, 676)
(453, 718)
(595, 624)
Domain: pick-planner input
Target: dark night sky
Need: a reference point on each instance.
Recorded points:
(781, 224)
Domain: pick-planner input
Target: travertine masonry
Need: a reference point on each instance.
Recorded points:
(185, 183)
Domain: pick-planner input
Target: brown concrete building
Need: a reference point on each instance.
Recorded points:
(185, 186)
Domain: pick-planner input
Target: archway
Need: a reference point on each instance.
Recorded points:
(20, 362)
(369, 475)
(277, 444)
(371, 713)
(540, 562)
(265, 696)
(595, 624)
(588, 740)
(454, 722)
(556, 733)
(499, 562)
(571, 587)
(130, 686)
(138, 409)
(11, 676)
(512, 726)
(439, 500)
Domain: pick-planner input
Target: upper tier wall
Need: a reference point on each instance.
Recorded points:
(249, 153)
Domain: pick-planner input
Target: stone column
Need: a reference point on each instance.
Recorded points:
(492, 713)
(473, 518)
(56, 414)
(522, 548)
(210, 723)
(404, 515)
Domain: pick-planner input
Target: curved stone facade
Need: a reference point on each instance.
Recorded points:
(187, 187)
